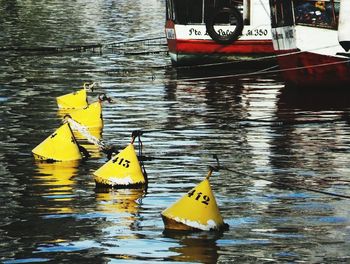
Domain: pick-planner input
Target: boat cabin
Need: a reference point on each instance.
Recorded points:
(321, 14)
(186, 12)
(312, 39)
(202, 31)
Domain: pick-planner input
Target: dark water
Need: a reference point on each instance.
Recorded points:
(52, 213)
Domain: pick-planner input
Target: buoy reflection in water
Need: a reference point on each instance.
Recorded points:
(56, 182)
(197, 247)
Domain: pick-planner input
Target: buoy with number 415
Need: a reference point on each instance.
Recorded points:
(197, 210)
(123, 170)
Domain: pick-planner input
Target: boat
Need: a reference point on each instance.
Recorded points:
(204, 31)
(312, 42)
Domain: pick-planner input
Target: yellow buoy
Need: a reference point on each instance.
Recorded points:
(123, 170)
(90, 116)
(197, 210)
(59, 146)
(75, 100)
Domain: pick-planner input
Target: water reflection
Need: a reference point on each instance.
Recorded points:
(336, 99)
(55, 182)
(195, 247)
(52, 212)
(312, 125)
(120, 201)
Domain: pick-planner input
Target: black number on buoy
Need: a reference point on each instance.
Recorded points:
(122, 162)
(206, 200)
(191, 192)
(203, 199)
(198, 195)
(126, 164)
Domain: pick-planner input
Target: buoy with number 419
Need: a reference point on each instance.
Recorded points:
(197, 210)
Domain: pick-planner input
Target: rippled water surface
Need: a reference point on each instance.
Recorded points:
(52, 213)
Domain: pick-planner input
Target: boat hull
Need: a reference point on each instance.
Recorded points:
(187, 52)
(308, 48)
(191, 45)
(307, 69)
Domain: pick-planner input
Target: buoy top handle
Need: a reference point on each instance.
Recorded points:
(210, 172)
(66, 118)
(89, 86)
(103, 97)
(135, 134)
(213, 168)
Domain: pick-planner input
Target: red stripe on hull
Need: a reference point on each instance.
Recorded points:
(211, 47)
(314, 70)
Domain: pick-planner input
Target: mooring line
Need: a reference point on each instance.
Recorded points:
(78, 48)
(111, 149)
(268, 70)
(258, 59)
(286, 184)
(110, 44)
(67, 48)
(279, 183)
(260, 72)
(242, 123)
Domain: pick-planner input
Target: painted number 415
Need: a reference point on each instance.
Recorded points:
(122, 162)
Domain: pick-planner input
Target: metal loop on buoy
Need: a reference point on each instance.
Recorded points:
(103, 97)
(89, 86)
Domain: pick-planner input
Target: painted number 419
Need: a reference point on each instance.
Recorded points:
(198, 196)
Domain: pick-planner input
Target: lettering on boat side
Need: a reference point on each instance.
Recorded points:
(277, 35)
(196, 32)
(226, 32)
(257, 32)
(198, 196)
(289, 33)
(170, 33)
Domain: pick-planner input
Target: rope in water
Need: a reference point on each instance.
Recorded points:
(258, 59)
(262, 71)
(78, 47)
(84, 131)
(243, 75)
(286, 184)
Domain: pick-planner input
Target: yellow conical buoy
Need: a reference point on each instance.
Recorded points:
(123, 170)
(90, 116)
(75, 100)
(59, 146)
(197, 210)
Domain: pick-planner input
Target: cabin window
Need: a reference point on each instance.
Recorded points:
(196, 11)
(188, 11)
(317, 13)
(170, 15)
(281, 13)
(244, 7)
